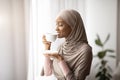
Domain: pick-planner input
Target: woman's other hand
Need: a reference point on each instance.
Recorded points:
(46, 43)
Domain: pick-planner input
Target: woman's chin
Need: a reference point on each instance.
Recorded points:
(60, 37)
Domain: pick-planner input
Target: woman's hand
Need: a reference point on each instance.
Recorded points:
(54, 55)
(46, 43)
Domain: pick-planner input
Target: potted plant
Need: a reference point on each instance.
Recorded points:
(104, 70)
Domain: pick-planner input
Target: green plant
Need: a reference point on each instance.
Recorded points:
(104, 70)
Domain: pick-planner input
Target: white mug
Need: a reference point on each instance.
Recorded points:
(51, 36)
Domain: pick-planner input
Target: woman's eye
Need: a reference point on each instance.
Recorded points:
(60, 24)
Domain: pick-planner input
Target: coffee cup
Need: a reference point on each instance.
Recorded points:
(51, 36)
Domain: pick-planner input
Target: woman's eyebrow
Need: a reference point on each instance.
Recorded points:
(59, 20)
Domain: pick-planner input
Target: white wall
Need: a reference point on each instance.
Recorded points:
(12, 40)
(101, 18)
(6, 42)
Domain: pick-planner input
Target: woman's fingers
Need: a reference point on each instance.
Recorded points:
(44, 39)
(46, 42)
(52, 55)
(46, 55)
(55, 55)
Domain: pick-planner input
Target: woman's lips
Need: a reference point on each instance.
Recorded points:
(58, 33)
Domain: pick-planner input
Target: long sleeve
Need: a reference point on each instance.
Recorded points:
(66, 71)
(47, 66)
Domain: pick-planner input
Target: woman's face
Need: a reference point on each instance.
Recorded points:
(62, 28)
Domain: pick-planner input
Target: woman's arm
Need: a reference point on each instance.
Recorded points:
(66, 71)
(47, 66)
(63, 65)
(47, 69)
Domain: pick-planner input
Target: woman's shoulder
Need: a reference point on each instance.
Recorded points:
(86, 50)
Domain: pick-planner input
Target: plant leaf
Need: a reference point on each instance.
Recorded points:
(109, 75)
(103, 62)
(98, 41)
(101, 54)
(110, 50)
(104, 70)
(103, 77)
(98, 74)
(107, 38)
(112, 56)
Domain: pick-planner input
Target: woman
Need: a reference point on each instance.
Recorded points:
(73, 60)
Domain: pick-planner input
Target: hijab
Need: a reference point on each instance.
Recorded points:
(77, 35)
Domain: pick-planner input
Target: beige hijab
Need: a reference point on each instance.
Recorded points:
(74, 47)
